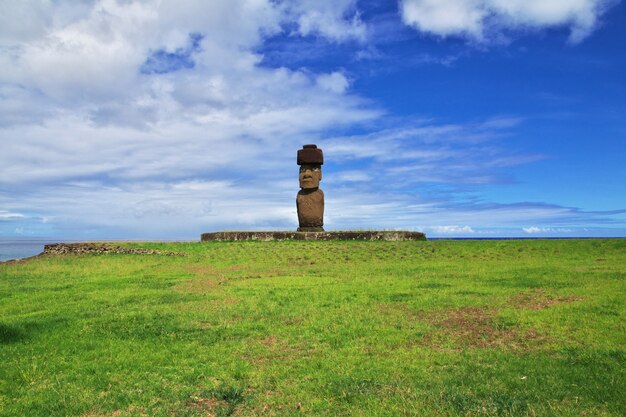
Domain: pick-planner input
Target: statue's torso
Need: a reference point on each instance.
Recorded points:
(310, 206)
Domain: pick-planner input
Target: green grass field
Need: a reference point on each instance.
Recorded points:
(437, 328)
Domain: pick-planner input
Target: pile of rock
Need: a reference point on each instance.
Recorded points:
(100, 248)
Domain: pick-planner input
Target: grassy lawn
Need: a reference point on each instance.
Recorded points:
(437, 328)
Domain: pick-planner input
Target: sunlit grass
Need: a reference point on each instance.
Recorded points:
(318, 328)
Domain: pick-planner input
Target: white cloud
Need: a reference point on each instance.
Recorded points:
(536, 230)
(426, 152)
(336, 20)
(157, 209)
(335, 82)
(484, 20)
(352, 176)
(444, 17)
(98, 56)
(26, 20)
(454, 229)
(7, 215)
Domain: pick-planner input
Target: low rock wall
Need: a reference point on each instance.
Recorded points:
(347, 235)
(100, 248)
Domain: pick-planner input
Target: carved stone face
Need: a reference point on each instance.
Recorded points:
(310, 176)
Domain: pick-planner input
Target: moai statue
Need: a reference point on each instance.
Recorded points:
(310, 199)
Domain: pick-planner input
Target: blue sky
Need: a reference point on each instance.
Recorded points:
(166, 119)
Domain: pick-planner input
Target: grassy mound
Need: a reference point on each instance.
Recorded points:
(335, 328)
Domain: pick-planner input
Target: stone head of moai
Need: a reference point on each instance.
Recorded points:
(310, 199)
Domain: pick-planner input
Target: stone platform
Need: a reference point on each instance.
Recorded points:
(281, 235)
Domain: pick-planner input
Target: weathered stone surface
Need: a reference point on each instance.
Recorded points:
(310, 198)
(281, 235)
(310, 154)
(310, 204)
(100, 248)
(310, 176)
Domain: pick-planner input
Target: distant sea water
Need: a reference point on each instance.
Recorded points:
(21, 248)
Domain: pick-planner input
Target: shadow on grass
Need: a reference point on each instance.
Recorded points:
(18, 332)
(11, 334)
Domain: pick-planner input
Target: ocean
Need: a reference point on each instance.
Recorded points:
(21, 248)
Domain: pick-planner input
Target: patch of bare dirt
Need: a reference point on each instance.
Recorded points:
(209, 407)
(202, 270)
(539, 300)
(477, 327)
(208, 277)
(400, 310)
(271, 341)
(276, 349)
(211, 271)
(264, 273)
(201, 286)
(292, 321)
(132, 410)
